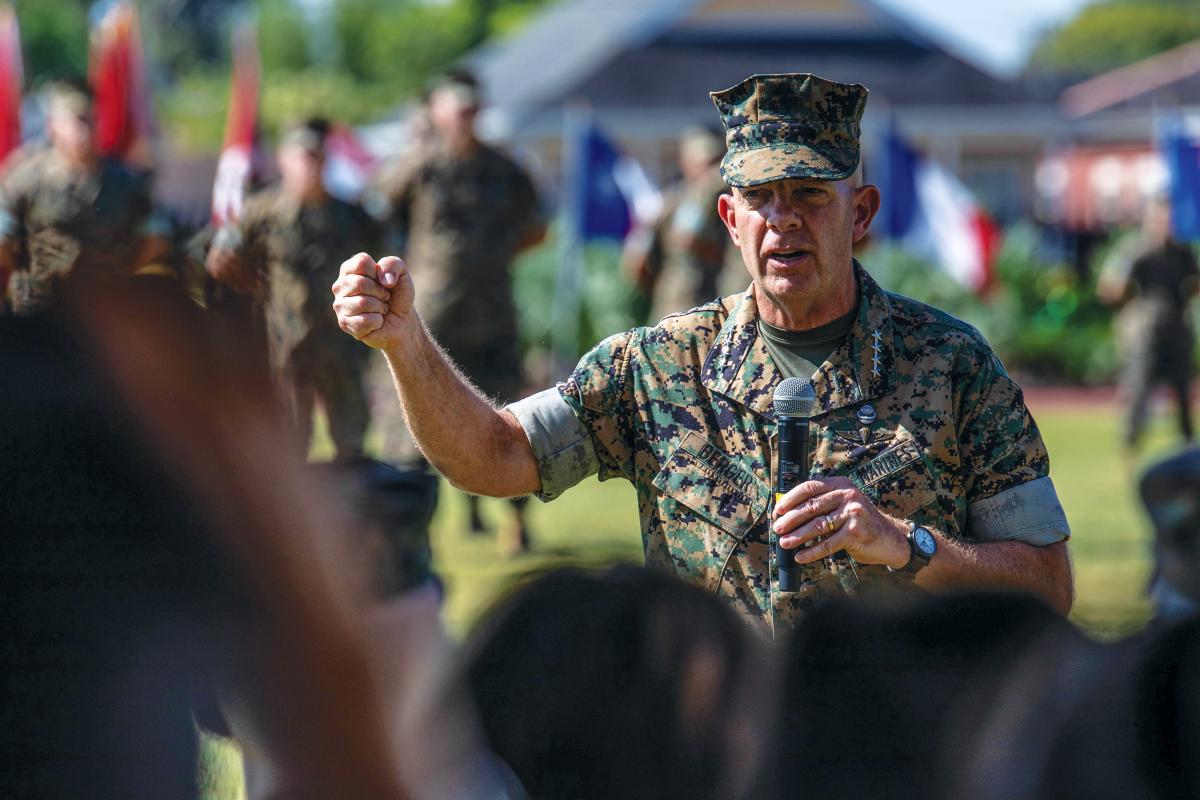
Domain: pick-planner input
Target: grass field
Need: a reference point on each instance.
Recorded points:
(596, 523)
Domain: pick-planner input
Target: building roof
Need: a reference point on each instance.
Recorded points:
(1171, 77)
(668, 54)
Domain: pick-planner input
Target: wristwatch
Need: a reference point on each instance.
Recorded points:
(922, 547)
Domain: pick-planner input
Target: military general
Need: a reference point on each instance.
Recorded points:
(928, 471)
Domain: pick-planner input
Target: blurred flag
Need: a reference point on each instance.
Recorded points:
(348, 164)
(609, 191)
(235, 168)
(11, 78)
(117, 73)
(1182, 157)
(928, 211)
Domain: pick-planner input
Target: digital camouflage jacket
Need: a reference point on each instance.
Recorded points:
(914, 406)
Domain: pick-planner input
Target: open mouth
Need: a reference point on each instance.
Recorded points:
(788, 256)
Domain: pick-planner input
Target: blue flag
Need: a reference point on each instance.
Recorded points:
(1182, 156)
(600, 206)
(899, 210)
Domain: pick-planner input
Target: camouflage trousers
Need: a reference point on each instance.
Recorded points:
(332, 376)
(1166, 359)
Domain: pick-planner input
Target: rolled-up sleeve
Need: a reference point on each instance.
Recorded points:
(559, 440)
(1029, 512)
(584, 425)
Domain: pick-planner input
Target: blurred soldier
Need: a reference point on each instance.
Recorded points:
(464, 210)
(68, 214)
(281, 250)
(1153, 278)
(678, 263)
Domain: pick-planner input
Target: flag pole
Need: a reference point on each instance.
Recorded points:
(564, 333)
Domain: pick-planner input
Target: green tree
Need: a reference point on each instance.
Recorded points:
(283, 37)
(1113, 33)
(399, 43)
(54, 37)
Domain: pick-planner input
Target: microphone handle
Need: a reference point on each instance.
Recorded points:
(791, 470)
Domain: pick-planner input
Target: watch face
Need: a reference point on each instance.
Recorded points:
(925, 542)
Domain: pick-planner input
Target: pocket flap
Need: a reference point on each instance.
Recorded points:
(704, 478)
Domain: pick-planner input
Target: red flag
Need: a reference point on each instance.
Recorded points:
(118, 78)
(11, 78)
(236, 166)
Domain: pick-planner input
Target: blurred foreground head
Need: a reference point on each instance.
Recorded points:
(623, 683)
(1171, 493)
(874, 695)
(157, 507)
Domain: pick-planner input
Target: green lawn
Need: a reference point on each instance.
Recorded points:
(596, 523)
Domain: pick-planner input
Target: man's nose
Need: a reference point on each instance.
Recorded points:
(782, 215)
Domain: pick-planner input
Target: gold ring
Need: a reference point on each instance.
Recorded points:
(828, 525)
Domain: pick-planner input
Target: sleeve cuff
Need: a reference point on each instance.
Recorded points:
(1029, 513)
(560, 442)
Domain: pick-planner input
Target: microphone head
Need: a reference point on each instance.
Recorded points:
(794, 397)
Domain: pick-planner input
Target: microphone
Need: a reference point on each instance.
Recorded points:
(793, 402)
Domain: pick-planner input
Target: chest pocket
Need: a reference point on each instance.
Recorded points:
(897, 480)
(713, 486)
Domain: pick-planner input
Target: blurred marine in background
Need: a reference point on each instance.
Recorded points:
(1153, 278)
(462, 210)
(678, 262)
(67, 214)
(280, 251)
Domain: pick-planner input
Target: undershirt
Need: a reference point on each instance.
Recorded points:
(799, 354)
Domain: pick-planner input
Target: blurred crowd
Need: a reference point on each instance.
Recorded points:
(171, 560)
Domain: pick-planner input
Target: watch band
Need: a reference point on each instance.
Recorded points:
(917, 560)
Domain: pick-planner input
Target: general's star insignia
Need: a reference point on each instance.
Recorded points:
(876, 352)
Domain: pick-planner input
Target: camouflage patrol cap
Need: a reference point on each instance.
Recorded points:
(792, 125)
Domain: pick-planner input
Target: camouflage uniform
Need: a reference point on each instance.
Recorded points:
(463, 219)
(68, 224)
(683, 411)
(683, 276)
(913, 406)
(298, 248)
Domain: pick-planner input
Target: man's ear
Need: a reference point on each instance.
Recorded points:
(727, 211)
(866, 206)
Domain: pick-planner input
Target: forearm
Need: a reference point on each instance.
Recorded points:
(479, 448)
(1044, 571)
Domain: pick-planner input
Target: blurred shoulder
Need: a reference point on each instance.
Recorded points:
(26, 168)
(402, 168)
(262, 204)
(500, 159)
